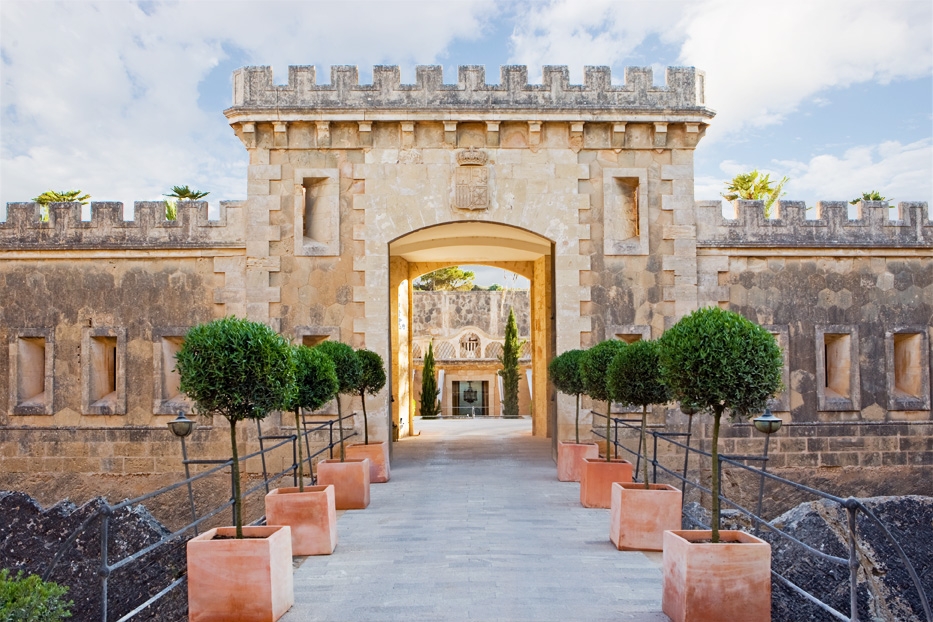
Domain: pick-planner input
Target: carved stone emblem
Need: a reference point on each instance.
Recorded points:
(472, 181)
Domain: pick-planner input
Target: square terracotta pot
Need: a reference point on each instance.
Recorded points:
(705, 582)
(570, 459)
(378, 454)
(311, 514)
(243, 580)
(597, 479)
(639, 517)
(350, 479)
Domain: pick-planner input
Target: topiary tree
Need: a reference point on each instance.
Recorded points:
(634, 378)
(239, 370)
(347, 366)
(315, 385)
(511, 350)
(565, 372)
(429, 407)
(593, 366)
(30, 599)
(372, 379)
(717, 360)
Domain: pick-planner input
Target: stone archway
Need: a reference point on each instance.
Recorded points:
(470, 242)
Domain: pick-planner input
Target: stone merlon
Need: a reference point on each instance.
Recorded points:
(254, 90)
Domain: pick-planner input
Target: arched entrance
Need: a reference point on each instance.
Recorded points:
(472, 242)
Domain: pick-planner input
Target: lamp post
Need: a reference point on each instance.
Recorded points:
(767, 424)
(181, 427)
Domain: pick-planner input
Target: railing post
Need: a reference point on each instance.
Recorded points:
(104, 570)
(761, 486)
(615, 435)
(295, 441)
(184, 458)
(683, 494)
(852, 510)
(719, 475)
(654, 461)
(330, 427)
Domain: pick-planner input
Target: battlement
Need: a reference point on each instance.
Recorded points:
(253, 89)
(831, 227)
(23, 228)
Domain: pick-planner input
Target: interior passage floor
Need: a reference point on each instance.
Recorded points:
(474, 525)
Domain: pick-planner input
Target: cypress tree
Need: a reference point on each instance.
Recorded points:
(430, 409)
(510, 372)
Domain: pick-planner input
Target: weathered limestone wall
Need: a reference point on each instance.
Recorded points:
(441, 313)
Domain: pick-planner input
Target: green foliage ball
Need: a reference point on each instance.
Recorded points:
(634, 375)
(594, 366)
(346, 364)
(565, 372)
(719, 360)
(30, 599)
(236, 368)
(315, 379)
(372, 372)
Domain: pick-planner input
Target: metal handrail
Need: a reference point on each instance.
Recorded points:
(850, 504)
(106, 511)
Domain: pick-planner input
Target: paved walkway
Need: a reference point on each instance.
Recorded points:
(475, 526)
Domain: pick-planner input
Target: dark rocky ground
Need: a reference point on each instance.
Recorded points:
(31, 536)
(885, 590)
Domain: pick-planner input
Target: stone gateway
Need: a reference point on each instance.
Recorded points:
(355, 190)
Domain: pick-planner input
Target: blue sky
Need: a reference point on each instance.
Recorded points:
(124, 99)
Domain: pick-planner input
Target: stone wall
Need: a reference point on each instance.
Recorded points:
(440, 314)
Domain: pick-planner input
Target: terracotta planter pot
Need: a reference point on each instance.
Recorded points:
(312, 516)
(597, 479)
(350, 479)
(640, 517)
(243, 580)
(378, 454)
(704, 582)
(570, 459)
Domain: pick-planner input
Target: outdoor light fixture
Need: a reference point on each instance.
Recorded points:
(469, 394)
(767, 423)
(688, 409)
(181, 426)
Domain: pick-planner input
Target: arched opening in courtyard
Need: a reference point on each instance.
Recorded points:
(482, 243)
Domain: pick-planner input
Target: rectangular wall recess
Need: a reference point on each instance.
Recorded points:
(31, 372)
(167, 396)
(103, 367)
(317, 212)
(838, 378)
(907, 356)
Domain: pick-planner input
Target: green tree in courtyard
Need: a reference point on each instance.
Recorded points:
(239, 370)
(445, 279)
(315, 385)
(347, 366)
(429, 407)
(634, 378)
(372, 379)
(511, 350)
(593, 367)
(565, 373)
(718, 360)
(755, 187)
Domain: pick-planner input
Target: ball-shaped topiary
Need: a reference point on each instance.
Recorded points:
(372, 379)
(593, 368)
(239, 370)
(347, 365)
(634, 379)
(315, 385)
(718, 360)
(565, 372)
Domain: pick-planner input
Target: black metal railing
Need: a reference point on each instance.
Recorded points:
(104, 515)
(851, 505)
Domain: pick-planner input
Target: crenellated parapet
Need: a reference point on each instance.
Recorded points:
(826, 225)
(254, 90)
(24, 229)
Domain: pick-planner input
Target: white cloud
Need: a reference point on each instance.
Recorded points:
(762, 59)
(103, 96)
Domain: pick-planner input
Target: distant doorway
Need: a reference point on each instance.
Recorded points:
(470, 398)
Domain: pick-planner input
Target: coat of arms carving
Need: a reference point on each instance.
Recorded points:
(472, 181)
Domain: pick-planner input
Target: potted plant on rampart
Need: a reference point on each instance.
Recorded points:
(310, 511)
(239, 370)
(640, 512)
(350, 476)
(372, 379)
(180, 193)
(600, 473)
(718, 361)
(430, 407)
(564, 371)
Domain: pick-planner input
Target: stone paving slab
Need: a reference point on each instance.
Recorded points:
(475, 526)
